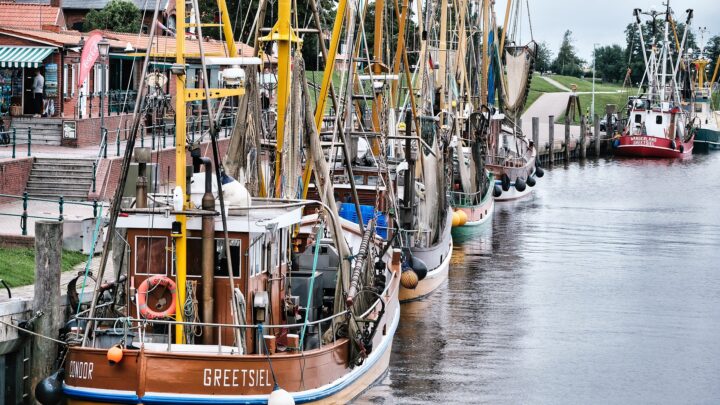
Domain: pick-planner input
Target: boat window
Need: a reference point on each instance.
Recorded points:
(194, 259)
(638, 118)
(359, 180)
(256, 260)
(372, 180)
(151, 255)
(658, 119)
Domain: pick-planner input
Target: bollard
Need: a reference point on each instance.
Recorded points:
(95, 208)
(29, 139)
(13, 141)
(551, 135)
(23, 218)
(62, 202)
(117, 144)
(94, 174)
(596, 130)
(567, 139)
(164, 134)
(583, 139)
(46, 300)
(152, 139)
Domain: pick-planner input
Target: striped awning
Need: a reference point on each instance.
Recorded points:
(23, 56)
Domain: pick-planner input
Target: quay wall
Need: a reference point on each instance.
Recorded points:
(14, 175)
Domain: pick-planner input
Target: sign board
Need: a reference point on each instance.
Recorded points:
(69, 129)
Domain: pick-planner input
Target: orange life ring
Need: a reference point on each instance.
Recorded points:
(143, 293)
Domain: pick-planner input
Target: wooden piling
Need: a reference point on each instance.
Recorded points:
(536, 134)
(583, 139)
(551, 134)
(567, 140)
(48, 252)
(596, 132)
(609, 127)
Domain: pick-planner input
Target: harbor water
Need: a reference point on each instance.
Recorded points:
(603, 287)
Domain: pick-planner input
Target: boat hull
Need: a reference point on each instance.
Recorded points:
(707, 138)
(651, 147)
(437, 259)
(479, 214)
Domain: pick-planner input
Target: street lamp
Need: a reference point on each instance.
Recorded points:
(592, 103)
(103, 50)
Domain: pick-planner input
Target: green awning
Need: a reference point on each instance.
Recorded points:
(23, 56)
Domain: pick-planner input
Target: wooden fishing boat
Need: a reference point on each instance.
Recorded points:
(707, 136)
(658, 126)
(238, 300)
(512, 162)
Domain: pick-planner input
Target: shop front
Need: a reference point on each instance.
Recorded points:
(18, 65)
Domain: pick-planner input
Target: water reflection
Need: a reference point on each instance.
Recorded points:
(601, 287)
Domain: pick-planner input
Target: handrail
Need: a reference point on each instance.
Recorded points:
(60, 201)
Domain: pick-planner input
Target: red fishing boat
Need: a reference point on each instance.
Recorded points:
(658, 126)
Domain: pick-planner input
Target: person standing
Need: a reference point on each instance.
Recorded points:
(37, 87)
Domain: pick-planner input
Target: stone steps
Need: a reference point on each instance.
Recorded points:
(52, 178)
(44, 131)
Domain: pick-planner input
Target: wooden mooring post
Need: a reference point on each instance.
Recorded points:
(583, 139)
(46, 301)
(551, 135)
(596, 132)
(566, 151)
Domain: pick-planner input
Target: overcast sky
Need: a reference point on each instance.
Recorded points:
(603, 21)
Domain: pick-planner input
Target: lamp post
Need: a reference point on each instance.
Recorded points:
(103, 50)
(592, 103)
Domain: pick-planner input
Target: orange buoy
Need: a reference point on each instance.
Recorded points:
(462, 217)
(114, 355)
(455, 219)
(409, 279)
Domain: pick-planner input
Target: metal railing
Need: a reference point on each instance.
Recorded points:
(61, 208)
(9, 138)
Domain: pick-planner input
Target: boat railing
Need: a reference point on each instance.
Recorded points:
(463, 198)
(135, 324)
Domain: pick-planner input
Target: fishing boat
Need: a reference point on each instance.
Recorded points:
(231, 298)
(511, 157)
(708, 131)
(658, 126)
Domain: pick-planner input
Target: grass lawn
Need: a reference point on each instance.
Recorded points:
(541, 85)
(585, 85)
(17, 265)
(619, 99)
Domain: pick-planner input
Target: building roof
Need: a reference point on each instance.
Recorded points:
(143, 5)
(119, 42)
(30, 16)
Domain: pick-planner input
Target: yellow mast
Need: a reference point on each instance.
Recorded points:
(505, 26)
(442, 55)
(284, 35)
(326, 81)
(377, 68)
(180, 174)
(715, 71)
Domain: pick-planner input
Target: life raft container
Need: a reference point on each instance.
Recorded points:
(153, 282)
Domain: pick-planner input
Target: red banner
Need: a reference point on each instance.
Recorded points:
(89, 55)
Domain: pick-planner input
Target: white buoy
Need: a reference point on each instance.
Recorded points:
(178, 198)
(280, 397)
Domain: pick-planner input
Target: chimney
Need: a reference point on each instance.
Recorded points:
(56, 3)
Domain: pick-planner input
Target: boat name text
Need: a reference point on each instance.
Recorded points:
(227, 377)
(81, 370)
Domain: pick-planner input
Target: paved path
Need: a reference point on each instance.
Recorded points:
(555, 83)
(10, 224)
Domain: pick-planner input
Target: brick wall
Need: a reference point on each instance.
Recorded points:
(88, 131)
(14, 174)
(17, 241)
(108, 174)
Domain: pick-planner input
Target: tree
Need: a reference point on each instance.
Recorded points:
(610, 63)
(712, 51)
(117, 15)
(543, 59)
(567, 62)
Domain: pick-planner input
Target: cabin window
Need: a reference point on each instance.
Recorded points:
(658, 120)
(256, 260)
(194, 257)
(638, 118)
(359, 180)
(151, 255)
(698, 108)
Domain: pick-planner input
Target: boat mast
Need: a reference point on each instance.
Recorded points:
(377, 68)
(180, 237)
(663, 78)
(485, 60)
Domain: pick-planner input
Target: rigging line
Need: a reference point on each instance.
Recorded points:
(33, 333)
